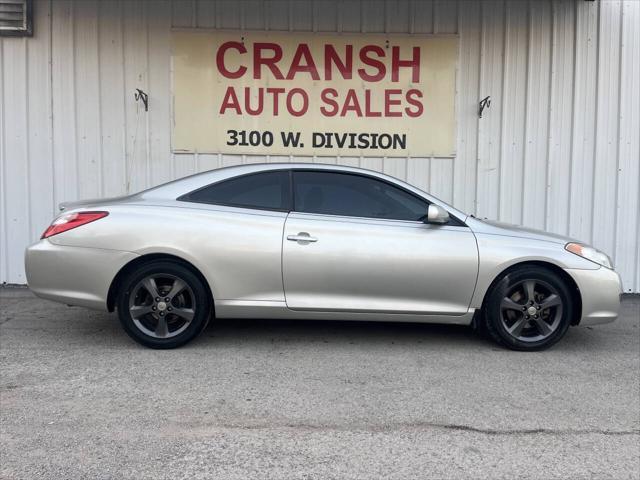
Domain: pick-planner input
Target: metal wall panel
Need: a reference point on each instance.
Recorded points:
(492, 49)
(558, 149)
(627, 212)
(561, 84)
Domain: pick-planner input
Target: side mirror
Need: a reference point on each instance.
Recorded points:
(437, 214)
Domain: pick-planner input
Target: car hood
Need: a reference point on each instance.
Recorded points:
(492, 227)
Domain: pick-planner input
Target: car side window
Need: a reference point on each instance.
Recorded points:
(354, 196)
(265, 191)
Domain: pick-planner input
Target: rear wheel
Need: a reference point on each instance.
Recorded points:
(529, 308)
(163, 304)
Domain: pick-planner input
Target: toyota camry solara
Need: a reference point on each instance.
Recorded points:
(304, 241)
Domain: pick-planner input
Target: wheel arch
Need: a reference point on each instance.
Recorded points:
(114, 288)
(573, 286)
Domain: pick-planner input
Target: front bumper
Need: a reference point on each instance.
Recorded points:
(600, 290)
(73, 275)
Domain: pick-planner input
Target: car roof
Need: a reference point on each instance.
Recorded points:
(181, 186)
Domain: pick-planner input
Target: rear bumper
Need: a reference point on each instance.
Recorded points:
(600, 290)
(73, 275)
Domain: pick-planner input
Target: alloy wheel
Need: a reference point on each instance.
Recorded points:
(531, 310)
(162, 305)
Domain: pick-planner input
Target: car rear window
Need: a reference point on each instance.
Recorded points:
(265, 191)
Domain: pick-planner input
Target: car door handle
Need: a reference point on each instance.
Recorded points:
(302, 237)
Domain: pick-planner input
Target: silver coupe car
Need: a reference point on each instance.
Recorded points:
(307, 241)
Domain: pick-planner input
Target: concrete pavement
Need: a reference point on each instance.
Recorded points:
(283, 399)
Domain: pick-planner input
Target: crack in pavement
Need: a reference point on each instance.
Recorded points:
(426, 426)
(535, 431)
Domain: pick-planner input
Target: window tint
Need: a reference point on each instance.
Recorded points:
(269, 190)
(354, 196)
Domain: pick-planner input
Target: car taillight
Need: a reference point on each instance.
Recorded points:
(71, 220)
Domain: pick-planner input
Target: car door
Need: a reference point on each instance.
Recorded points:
(235, 231)
(354, 243)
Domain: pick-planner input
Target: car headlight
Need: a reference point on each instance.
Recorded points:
(590, 253)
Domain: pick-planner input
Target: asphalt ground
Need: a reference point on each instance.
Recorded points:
(284, 399)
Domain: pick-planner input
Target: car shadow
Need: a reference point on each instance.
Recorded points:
(336, 332)
(598, 339)
(60, 324)
(376, 334)
(77, 326)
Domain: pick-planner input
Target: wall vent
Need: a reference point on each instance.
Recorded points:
(16, 18)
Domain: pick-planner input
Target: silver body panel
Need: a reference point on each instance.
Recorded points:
(62, 273)
(601, 291)
(366, 265)
(358, 269)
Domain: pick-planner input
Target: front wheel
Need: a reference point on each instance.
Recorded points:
(163, 304)
(528, 309)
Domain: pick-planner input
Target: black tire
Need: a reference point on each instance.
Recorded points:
(513, 324)
(193, 303)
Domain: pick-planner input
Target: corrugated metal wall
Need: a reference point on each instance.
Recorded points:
(557, 150)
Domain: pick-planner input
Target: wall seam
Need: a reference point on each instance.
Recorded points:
(595, 123)
(99, 99)
(637, 254)
(147, 84)
(480, 87)
(124, 100)
(27, 133)
(527, 103)
(614, 253)
(573, 117)
(3, 170)
(502, 110)
(52, 137)
(412, 19)
(74, 98)
(547, 163)
(479, 96)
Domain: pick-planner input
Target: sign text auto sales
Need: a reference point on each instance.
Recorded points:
(313, 94)
(371, 67)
